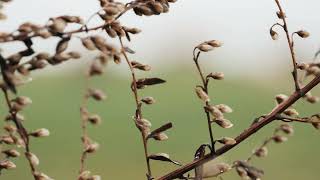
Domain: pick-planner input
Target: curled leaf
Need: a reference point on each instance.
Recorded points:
(163, 157)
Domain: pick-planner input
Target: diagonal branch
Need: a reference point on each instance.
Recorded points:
(246, 133)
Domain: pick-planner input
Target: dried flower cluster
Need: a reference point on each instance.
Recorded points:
(16, 69)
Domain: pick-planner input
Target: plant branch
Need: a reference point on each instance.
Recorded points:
(246, 133)
(138, 114)
(291, 46)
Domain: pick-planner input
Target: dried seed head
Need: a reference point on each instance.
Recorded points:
(281, 15)
(40, 133)
(93, 147)
(261, 152)
(7, 140)
(97, 94)
(204, 47)
(280, 98)
(214, 43)
(94, 119)
(303, 34)
(224, 108)
(313, 99)
(160, 137)
(274, 35)
(287, 128)
(279, 139)
(227, 141)
(41, 176)
(215, 170)
(214, 111)
(217, 75)
(242, 172)
(224, 123)
(6, 164)
(291, 112)
(11, 153)
(84, 175)
(88, 43)
(33, 159)
(202, 94)
(148, 100)
(23, 100)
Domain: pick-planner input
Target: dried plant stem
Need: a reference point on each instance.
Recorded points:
(21, 131)
(205, 88)
(291, 47)
(84, 123)
(138, 114)
(246, 133)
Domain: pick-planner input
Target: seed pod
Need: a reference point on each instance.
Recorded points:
(74, 54)
(23, 100)
(72, 19)
(303, 66)
(216, 75)
(279, 139)
(215, 43)
(93, 147)
(131, 30)
(97, 94)
(291, 112)
(96, 68)
(156, 7)
(313, 70)
(216, 169)
(94, 119)
(62, 45)
(6, 164)
(10, 128)
(41, 176)
(84, 175)
(160, 137)
(280, 98)
(224, 123)
(7, 140)
(274, 35)
(11, 153)
(202, 94)
(303, 34)
(88, 43)
(313, 99)
(281, 15)
(242, 172)
(215, 112)
(148, 100)
(205, 47)
(40, 133)
(224, 108)
(287, 128)
(95, 177)
(58, 25)
(32, 158)
(261, 152)
(111, 32)
(227, 141)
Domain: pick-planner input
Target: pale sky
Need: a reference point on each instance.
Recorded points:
(243, 27)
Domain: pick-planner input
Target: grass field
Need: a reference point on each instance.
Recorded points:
(56, 102)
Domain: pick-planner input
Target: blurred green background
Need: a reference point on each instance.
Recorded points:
(56, 98)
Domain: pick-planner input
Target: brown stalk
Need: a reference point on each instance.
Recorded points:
(246, 133)
(138, 114)
(205, 88)
(23, 133)
(291, 47)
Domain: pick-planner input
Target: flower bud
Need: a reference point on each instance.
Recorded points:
(40, 133)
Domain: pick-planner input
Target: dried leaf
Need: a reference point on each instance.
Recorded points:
(163, 157)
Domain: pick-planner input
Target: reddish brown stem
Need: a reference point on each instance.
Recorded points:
(246, 133)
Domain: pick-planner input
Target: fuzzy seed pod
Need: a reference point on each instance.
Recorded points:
(274, 35)
(7, 139)
(148, 100)
(32, 158)
(58, 25)
(6, 164)
(205, 47)
(214, 111)
(160, 137)
(88, 43)
(281, 15)
(216, 75)
(97, 94)
(261, 152)
(41, 176)
(242, 172)
(202, 95)
(279, 139)
(227, 141)
(224, 108)
(11, 153)
(224, 123)
(40, 133)
(303, 34)
(291, 112)
(94, 119)
(280, 98)
(313, 99)
(23, 100)
(215, 43)
(93, 147)
(287, 128)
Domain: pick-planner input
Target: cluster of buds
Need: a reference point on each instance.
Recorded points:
(151, 7)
